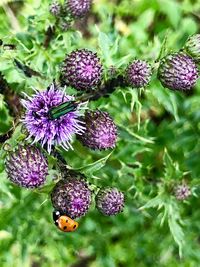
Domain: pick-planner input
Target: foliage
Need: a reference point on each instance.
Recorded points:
(158, 145)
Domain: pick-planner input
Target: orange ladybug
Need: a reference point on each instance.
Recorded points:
(63, 222)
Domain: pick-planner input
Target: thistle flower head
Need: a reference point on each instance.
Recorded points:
(27, 167)
(101, 131)
(110, 201)
(55, 8)
(192, 47)
(42, 127)
(82, 70)
(72, 196)
(138, 73)
(182, 192)
(178, 71)
(78, 8)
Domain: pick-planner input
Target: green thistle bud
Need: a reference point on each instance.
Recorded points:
(192, 47)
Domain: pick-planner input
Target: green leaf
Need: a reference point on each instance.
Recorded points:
(174, 222)
(95, 166)
(154, 202)
(172, 170)
(105, 44)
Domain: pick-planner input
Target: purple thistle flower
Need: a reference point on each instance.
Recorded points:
(27, 167)
(49, 131)
(138, 73)
(78, 8)
(110, 201)
(182, 191)
(192, 47)
(101, 131)
(178, 71)
(72, 196)
(82, 70)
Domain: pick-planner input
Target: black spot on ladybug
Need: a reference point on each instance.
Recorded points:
(66, 221)
(74, 226)
(65, 227)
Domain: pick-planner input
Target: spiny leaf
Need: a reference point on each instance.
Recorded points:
(95, 166)
(154, 202)
(174, 222)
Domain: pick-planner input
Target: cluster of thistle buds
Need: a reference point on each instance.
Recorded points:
(82, 69)
(27, 167)
(69, 11)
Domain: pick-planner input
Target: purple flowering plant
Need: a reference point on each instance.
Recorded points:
(89, 127)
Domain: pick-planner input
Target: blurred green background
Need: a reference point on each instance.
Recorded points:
(158, 145)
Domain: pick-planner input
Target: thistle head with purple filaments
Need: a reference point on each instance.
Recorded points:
(51, 132)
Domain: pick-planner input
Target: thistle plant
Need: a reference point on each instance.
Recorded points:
(130, 147)
(55, 8)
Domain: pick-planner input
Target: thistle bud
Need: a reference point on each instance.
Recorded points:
(100, 132)
(192, 47)
(55, 8)
(82, 70)
(78, 8)
(182, 192)
(138, 74)
(27, 167)
(110, 201)
(72, 196)
(178, 71)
